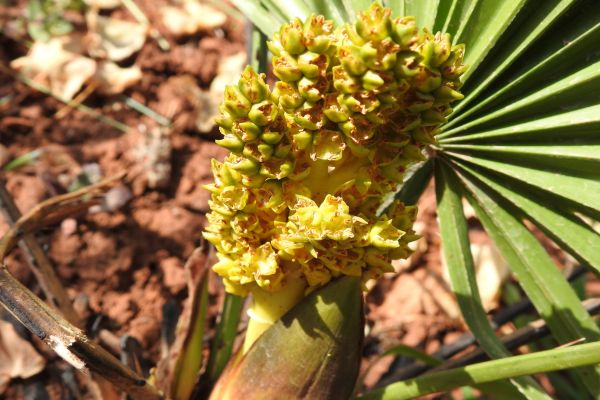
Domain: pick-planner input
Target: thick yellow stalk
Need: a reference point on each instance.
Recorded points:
(268, 307)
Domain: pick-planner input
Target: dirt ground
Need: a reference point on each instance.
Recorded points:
(123, 263)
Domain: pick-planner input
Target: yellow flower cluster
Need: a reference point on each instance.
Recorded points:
(311, 160)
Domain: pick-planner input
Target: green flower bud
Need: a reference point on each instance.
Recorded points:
(427, 80)
(291, 38)
(263, 113)
(266, 150)
(344, 82)
(404, 31)
(351, 58)
(231, 143)
(246, 130)
(253, 86)
(275, 46)
(245, 166)
(334, 111)
(368, 54)
(302, 140)
(287, 95)
(258, 151)
(432, 117)
(384, 235)
(453, 68)
(407, 64)
(446, 95)
(282, 150)
(374, 24)
(271, 137)
(235, 102)
(286, 68)
(253, 180)
(443, 46)
(317, 32)
(387, 55)
(224, 120)
(276, 169)
(371, 80)
(310, 116)
(311, 89)
(312, 64)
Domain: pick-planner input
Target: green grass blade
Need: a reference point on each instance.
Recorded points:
(578, 90)
(550, 293)
(457, 13)
(582, 158)
(424, 11)
(267, 22)
(332, 9)
(484, 27)
(25, 159)
(567, 230)
(489, 371)
(537, 19)
(443, 14)
(189, 364)
(225, 334)
(580, 124)
(397, 7)
(411, 352)
(573, 187)
(290, 9)
(457, 253)
(587, 152)
(576, 42)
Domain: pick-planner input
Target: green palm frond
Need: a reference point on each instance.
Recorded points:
(523, 145)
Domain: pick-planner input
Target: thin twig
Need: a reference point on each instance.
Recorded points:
(68, 341)
(76, 102)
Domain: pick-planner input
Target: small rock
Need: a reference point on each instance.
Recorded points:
(68, 226)
(116, 198)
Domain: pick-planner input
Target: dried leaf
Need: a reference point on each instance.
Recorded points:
(112, 38)
(57, 64)
(191, 17)
(492, 272)
(113, 79)
(18, 358)
(169, 373)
